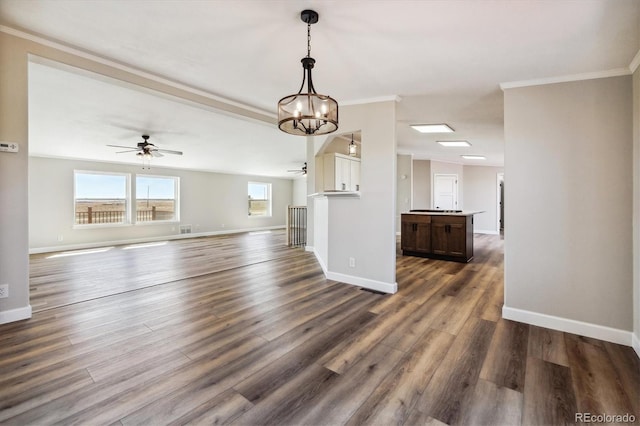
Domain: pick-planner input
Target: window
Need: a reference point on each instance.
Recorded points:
(259, 199)
(157, 198)
(101, 198)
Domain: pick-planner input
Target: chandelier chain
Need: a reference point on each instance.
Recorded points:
(308, 40)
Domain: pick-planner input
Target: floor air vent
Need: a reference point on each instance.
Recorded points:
(185, 229)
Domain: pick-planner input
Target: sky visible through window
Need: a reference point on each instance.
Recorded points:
(100, 186)
(258, 191)
(105, 186)
(155, 188)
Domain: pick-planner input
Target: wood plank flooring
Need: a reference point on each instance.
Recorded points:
(242, 330)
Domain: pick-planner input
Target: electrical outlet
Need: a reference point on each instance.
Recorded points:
(4, 291)
(60, 237)
(352, 262)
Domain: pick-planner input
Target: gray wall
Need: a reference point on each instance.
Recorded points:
(14, 251)
(636, 209)
(481, 194)
(421, 184)
(364, 227)
(403, 190)
(210, 202)
(568, 175)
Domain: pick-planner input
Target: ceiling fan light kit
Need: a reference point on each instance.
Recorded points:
(308, 113)
(145, 150)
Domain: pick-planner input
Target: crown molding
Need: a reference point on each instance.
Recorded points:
(617, 72)
(633, 66)
(126, 68)
(394, 98)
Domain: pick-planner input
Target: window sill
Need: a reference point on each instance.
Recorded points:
(100, 225)
(157, 222)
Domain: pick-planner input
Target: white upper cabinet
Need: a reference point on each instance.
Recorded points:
(341, 172)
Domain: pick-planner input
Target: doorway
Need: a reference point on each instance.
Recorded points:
(445, 192)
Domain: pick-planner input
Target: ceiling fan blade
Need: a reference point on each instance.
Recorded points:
(155, 153)
(168, 151)
(120, 146)
(130, 150)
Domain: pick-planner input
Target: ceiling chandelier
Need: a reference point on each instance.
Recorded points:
(308, 113)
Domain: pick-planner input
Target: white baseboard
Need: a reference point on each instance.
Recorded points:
(321, 262)
(82, 246)
(636, 344)
(482, 231)
(359, 281)
(586, 329)
(309, 248)
(363, 282)
(13, 315)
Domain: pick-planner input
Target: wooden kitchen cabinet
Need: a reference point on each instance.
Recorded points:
(440, 236)
(416, 234)
(449, 235)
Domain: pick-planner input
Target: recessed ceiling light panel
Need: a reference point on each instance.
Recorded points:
(454, 144)
(432, 128)
(474, 157)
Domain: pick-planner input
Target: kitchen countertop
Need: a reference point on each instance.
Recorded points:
(445, 212)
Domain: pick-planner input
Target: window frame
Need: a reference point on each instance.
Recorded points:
(176, 206)
(269, 200)
(127, 212)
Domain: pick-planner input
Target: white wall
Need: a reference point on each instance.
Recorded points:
(481, 194)
(403, 190)
(299, 197)
(210, 202)
(363, 227)
(568, 172)
(321, 224)
(442, 168)
(421, 180)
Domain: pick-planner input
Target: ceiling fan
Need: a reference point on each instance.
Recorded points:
(146, 149)
(302, 170)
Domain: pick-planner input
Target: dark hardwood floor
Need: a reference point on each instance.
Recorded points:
(242, 330)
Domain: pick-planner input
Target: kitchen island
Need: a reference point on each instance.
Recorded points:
(438, 234)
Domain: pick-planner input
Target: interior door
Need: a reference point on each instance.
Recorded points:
(445, 192)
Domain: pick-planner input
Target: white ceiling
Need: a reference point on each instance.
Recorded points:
(75, 114)
(445, 59)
